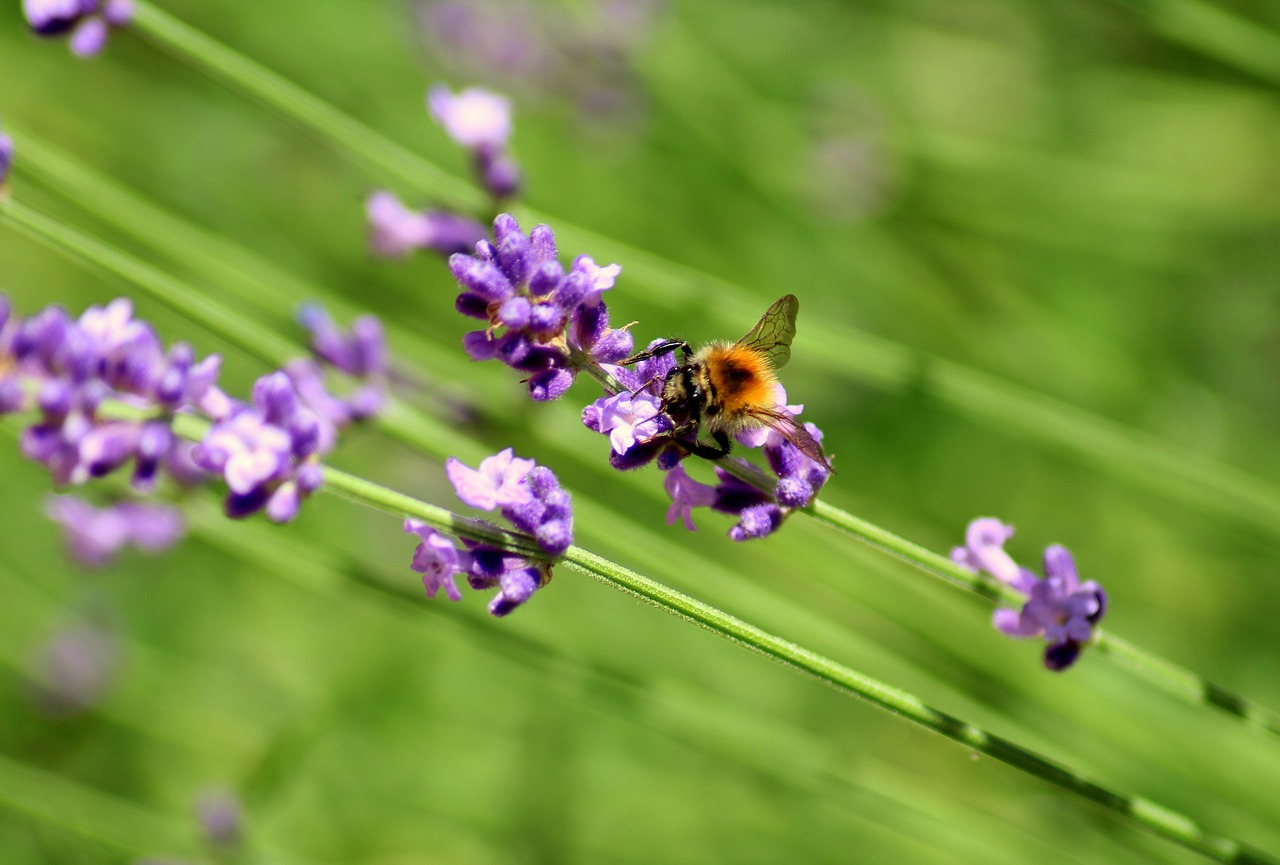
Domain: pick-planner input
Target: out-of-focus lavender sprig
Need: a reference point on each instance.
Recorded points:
(528, 496)
(542, 320)
(88, 22)
(481, 122)
(95, 535)
(395, 231)
(1059, 608)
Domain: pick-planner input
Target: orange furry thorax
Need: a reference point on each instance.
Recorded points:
(740, 378)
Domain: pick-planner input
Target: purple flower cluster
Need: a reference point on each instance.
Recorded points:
(88, 21)
(395, 231)
(67, 368)
(1059, 607)
(267, 451)
(530, 498)
(481, 122)
(542, 320)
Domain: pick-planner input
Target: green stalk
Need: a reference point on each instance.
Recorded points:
(1151, 816)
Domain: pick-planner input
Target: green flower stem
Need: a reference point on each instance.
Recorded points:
(1149, 815)
(432, 437)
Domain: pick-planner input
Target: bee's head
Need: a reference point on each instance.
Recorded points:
(682, 395)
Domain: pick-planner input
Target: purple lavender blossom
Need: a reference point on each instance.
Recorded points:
(268, 451)
(499, 482)
(481, 122)
(437, 559)
(88, 21)
(395, 231)
(541, 320)
(1059, 607)
(686, 494)
(529, 496)
(66, 369)
(95, 535)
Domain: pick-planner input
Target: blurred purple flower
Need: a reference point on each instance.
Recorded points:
(74, 669)
(395, 231)
(95, 535)
(686, 494)
(221, 817)
(473, 117)
(1059, 607)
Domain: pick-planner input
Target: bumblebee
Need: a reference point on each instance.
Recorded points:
(727, 387)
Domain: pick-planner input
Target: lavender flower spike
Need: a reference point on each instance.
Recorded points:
(530, 497)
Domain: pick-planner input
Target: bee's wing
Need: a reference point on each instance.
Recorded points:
(793, 431)
(774, 331)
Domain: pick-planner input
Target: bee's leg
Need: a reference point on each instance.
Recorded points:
(706, 451)
(664, 347)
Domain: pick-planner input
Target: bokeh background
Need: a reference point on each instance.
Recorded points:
(1072, 205)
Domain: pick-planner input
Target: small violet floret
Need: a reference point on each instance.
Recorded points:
(499, 482)
(1059, 608)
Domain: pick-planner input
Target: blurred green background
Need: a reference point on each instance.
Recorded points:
(1079, 198)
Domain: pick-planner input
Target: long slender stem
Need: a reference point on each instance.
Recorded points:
(1150, 815)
